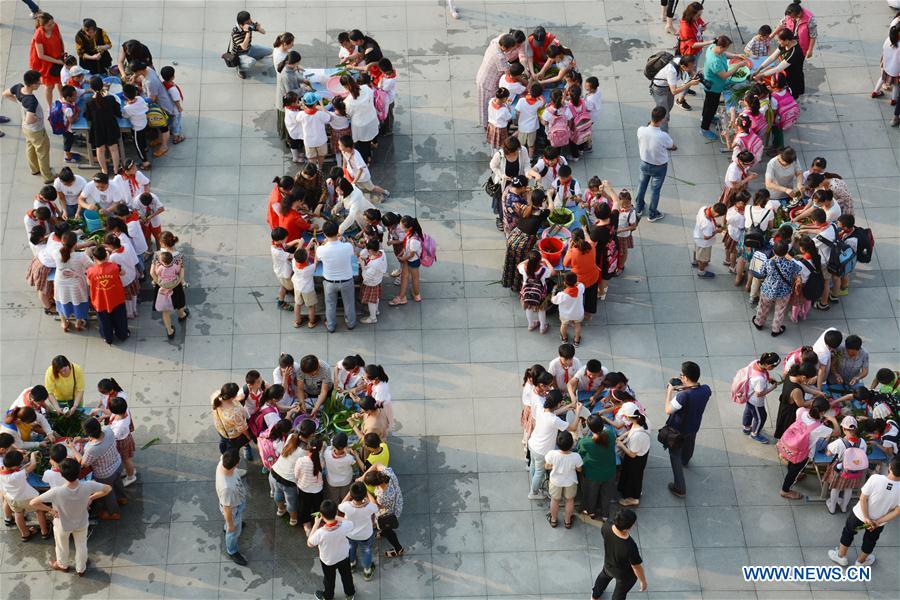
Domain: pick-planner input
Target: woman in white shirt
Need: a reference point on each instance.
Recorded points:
(308, 475)
(70, 285)
(634, 448)
(282, 472)
(360, 104)
(283, 44)
(351, 199)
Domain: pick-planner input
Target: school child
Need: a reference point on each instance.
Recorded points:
(355, 168)
(839, 477)
(565, 189)
(65, 73)
(339, 461)
(47, 198)
(787, 111)
(594, 99)
(121, 252)
(557, 120)
(391, 223)
(582, 123)
(572, 79)
(251, 395)
(121, 423)
(388, 83)
(378, 388)
(135, 234)
(373, 267)
(349, 375)
(515, 80)
(546, 169)
(564, 366)
(107, 388)
(527, 109)
(410, 260)
(292, 108)
(76, 80)
(68, 98)
(167, 74)
(17, 492)
(303, 268)
(754, 110)
(58, 453)
(358, 507)
(744, 139)
(594, 195)
(149, 208)
(135, 110)
(847, 234)
(628, 223)
(340, 126)
(760, 44)
(734, 231)
(564, 467)
(586, 380)
(281, 264)
(348, 54)
(571, 306)
(885, 435)
(312, 120)
(499, 117)
(810, 263)
(68, 186)
(705, 230)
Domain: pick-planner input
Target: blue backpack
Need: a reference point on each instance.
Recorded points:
(57, 118)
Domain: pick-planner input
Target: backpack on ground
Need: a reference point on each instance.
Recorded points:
(740, 385)
(815, 284)
(267, 452)
(380, 98)
(429, 251)
(582, 124)
(855, 463)
(865, 244)
(754, 236)
(794, 443)
(656, 62)
(843, 258)
(57, 117)
(558, 133)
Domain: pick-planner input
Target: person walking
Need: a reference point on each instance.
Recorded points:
(108, 296)
(37, 142)
(685, 413)
(329, 534)
(70, 514)
(654, 145)
(337, 274)
(232, 496)
(621, 558)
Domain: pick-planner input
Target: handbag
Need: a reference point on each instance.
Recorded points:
(55, 69)
(669, 437)
(231, 59)
(388, 522)
(492, 189)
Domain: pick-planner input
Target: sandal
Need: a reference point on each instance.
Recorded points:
(394, 553)
(417, 298)
(10, 522)
(576, 342)
(80, 324)
(160, 152)
(564, 338)
(568, 524)
(48, 535)
(312, 323)
(31, 533)
(554, 524)
(755, 324)
(779, 332)
(297, 324)
(397, 301)
(55, 565)
(178, 139)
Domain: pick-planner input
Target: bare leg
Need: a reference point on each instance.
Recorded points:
(114, 153)
(415, 284)
(570, 509)
(21, 523)
(298, 312)
(578, 330)
(167, 321)
(101, 158)
(554, 509)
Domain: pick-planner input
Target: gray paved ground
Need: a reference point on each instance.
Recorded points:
(455, 360)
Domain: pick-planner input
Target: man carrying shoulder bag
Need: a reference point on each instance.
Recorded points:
(685, 413)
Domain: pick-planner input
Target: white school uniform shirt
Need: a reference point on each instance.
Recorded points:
(820, 432)
(499, 117)
(563, 374)
(131, 191)
(313, 126)
(128, 272)
(346, 380)
(71, 191)
(762, 216)
(546, 426)
(704, 226)
(151, 208)
(734, 173)
(565, 467)
(353, 163)
(823, 247)
(735, 221)
(53, 478)
(821, 348)
(570, 309)
(586, 383)
(360, 517)
(373, 271)
(804, 274)
(627, 218)
(757, 385)
(356, 205)
(333, 544)
(287, 401)
(106, 198)
(128, 244)
(528, 115)
(281, 262)
(138, 241)
(389, 86)
(339, 121)
(594, 101)
(562, 192)
(15, 486)
(515, 87)
(136, 112)
(338, 470)
(838, 447)
(302, 277)
(292, 123)
(552, 111)
(121, 428)
(41, 416)
(551, 174)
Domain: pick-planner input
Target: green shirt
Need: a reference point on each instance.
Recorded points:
(599, 462)
(715, 64)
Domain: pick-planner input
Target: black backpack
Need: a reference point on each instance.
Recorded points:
(865, 244)
(755, 237)
(655, 64)
(815, 283)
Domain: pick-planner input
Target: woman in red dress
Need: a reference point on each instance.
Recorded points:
(46, 54)
(690, 40)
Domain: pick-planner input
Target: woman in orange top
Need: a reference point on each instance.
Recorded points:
(282, 187)
(581, 259)
(46, 54)
(690, 39)
(108, 296)
(291, 219)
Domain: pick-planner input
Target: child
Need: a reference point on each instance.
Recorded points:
(373, 265)
(744, 139)
(586, 380)
(546, 169)
(391, 222)
(340, 126)
(303, 268)
(571, 80)
(377, 387)
(557, 120)
(499, 117)
(167, 74)
(338, 464)
(70, 113)
(348, 374)
(565, 189)
(252, 393)
(527, 108)
(149, 208)
(734, 231)
(388, 83)
(887, 381)
(281, 264)
(76, 80)
(582, 123)
(46, 198)
(787, 111)
(313, 119)
(847, 234)
(348, 54)
(359, 507)
(628, 222)
(564, 467)
(515, 80)
(705, 230)
(840, 480)
(107, 389)
(121, 424)
(168, 274)
(355, 168)
(58, 453)
(760, 44)
(68, 186)
(594, 99)
(291, 102)
(564, 366)
(135, 110)
(135, 232)
(17, 492)
(571, 306)
(65, 74)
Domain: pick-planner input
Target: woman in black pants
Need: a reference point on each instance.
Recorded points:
(813, 423)
(716, 72)
(390, 503)
(667, 11)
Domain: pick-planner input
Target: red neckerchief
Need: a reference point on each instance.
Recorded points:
(346, 172)
(278, 245)
(9, 471)
(565, 374)
(331, 525)
(376, 74)
(706, 212)
(591, 379)
(54, 209)
(370, 385)
(758, 368)
(132, 217)
(132, 182)
(510, 78)
(572, 291)
(299, 266)
(390, 75)
(310, 111)
(170, 84)
(293, 108)
(119, 250)
(147, 210)
(347, 379)
(531, 100)
(852, 440)
(288, 386)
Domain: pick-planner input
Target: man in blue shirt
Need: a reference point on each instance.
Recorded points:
(716, 73)
(685, 412)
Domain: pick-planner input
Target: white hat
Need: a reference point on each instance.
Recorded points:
(848, 422)
(76, 71)
(629, 409)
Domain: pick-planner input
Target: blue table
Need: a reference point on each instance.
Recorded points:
(821, 461)
(81, 124)
(732, 85)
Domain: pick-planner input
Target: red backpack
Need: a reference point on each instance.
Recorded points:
(257, 423)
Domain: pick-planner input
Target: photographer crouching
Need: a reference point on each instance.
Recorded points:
(242, 53)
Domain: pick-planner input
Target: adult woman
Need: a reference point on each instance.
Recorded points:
(64, 381)
(410, 259)
(493, 66)
(581, 258)
(167, 241)
(802, 24)
(92, 46)
(560, 58)
(46, 54)
(70, 285)
(282, 473)
(599, 456)
(634, 448)
(792, 396)
(690, 39)
(102, 112)
(288, 78)
(509, 161)
(790, 59)
(716, 71)
(360, 104)
(389, 499)
(814, 422)
(308, 474)
(281, 46)
(837, 185)
(229, 418)
(514, 202)
(890, 71)
(522, 238)
(132, 51)
(371, 420)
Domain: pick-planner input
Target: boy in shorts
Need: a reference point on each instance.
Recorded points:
(527, 108)
(304, 287)
(564, 467)
(18, 492)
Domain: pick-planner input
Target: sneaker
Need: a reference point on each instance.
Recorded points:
(753, 301)
(870, 560)
(368, 320)
(819, 306)
(395, 273)
(683, 104)
(129, 480)
(745, 431)
(280, 512)
(533, 326)
(706, 275)
(320, 595)
(675, 491)
(835, 557)
(842, 293)
(833, 299)
(369, 573)
(238, 559)
(832, 508)
(538, 496)
(759, 438)
(710, 135)
(658, 217)
(353, 566)
(242, 74)
(895, 122)
(73, 159)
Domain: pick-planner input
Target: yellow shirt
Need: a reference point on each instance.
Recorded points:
(65, 388)
(382, 458)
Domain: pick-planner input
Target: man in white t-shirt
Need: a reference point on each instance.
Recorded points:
(336, 257)
(70, 513)
(547, 425)
(670, 82)
(879, 503)
(330, 534)
(654, 145)
(359, 508)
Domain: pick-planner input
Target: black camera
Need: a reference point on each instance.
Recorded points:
(253, 27)
(676, 382)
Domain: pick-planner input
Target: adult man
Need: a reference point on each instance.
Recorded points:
(621, 559)
(156, 91)
(783, 174)
(685, 412)
(716, 72)
(242, 46)
(669, 82)
(330, 533)
(879, 503)
(337, 273)
(232, 500)
(654, 145)
(108, 297)
(102, 456)
(37, 142)
(70, 514)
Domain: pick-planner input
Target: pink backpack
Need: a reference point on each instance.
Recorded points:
(582, 124)
(558, 133)
(788, 110)
(267, 453)
(758, 123)
(794, 443)
(753, 144)
(429, 251)
(382, 103)
(855, 463)
(740, 385)
(257, 424)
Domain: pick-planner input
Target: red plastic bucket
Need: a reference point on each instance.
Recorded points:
(551, 249)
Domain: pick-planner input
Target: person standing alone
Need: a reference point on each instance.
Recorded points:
(621, 558)
(654, 145)
(685, 413)
(37, 142)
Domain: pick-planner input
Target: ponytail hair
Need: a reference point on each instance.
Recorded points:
(284, 184)
(753, 104)
(596, 425)
(292, 58)
(533, 372)
(376, 372)
(229, 391)
(109, 385)
(557, 49)
(314, 446)
(534, 261)
(69, 239)
(769, 359)
(579, 242)
(282, 39)
(273, 392)
(575, 94)
(412, 223)
(556, 98)
(350, 85)
(641, 420)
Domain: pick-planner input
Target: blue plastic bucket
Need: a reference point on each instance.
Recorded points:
(92, 221)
